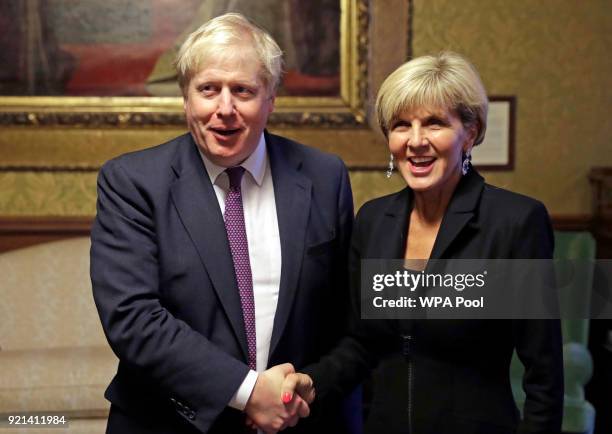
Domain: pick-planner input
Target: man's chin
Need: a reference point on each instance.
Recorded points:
(226, 153)
(226, 159)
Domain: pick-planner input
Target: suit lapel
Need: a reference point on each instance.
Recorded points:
(460, 211)
(392, 237)
(196, 203)
(392, 240)
(292, 194)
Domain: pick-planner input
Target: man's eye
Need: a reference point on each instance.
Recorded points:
(242, 90)
(207, 89)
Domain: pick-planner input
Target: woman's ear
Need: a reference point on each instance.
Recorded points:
(472, 133)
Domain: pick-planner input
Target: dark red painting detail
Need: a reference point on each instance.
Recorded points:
(117, 48)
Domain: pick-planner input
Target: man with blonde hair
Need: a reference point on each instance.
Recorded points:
(218, 259)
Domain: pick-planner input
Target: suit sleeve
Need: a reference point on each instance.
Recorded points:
(198, 377)
(538, 342)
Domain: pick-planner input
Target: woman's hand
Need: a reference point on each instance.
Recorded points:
(271, 414)
(298, 383)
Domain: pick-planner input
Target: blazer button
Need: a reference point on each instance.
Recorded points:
(191, 415)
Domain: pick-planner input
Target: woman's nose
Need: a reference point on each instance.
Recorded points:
(417, 137)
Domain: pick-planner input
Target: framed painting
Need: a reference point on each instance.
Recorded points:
(117, 48)
(83, 81)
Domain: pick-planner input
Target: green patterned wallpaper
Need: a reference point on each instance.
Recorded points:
(47, 194)
(553, 55)
(74, 194)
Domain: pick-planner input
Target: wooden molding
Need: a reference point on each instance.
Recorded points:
(17, 232)
(574, 222)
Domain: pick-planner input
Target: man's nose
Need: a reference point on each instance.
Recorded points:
(225, 103)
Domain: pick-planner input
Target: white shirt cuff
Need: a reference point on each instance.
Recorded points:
(242, 395)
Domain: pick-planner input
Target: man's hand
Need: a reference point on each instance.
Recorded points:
(266, 410)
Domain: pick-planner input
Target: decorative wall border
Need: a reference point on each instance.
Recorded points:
(17, 232)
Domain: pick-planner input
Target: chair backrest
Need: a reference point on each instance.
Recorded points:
(574, 255)
(46, 297)
(574, 261)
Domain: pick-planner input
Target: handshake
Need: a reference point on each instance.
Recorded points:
(279, 399)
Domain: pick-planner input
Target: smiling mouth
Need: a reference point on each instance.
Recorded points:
(421, 161)
(225, 131)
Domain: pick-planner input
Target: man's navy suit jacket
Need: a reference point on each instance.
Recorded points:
(164, 284)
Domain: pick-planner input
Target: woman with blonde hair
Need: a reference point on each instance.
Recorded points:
(445, 376)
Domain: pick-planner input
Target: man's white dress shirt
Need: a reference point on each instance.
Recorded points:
(263, 238)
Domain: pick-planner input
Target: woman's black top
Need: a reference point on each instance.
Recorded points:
(451, 376)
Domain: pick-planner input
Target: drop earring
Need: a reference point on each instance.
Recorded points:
(467, 162)
(389, 171)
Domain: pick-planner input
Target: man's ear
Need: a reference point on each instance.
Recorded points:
(185, 99)
(272, 102)
(184, 90)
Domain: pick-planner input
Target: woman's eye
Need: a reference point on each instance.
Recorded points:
(401, 125)
(436, 123)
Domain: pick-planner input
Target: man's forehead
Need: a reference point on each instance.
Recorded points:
(243, 64)
(216, 73)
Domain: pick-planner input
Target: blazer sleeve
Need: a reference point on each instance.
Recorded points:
(345, 366)
(538, 342)
(198, 377)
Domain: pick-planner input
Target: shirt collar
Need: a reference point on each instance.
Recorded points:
(255, 164)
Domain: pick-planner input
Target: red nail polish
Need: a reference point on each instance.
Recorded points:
(287, 397)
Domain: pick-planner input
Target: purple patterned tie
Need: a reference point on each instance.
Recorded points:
(237, 237)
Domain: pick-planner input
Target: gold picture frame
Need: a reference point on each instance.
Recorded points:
(80, 133)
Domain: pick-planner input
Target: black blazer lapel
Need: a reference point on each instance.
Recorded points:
(292, 194)
(195, 200)
(460, 211)
(391, 241)
(392, 238)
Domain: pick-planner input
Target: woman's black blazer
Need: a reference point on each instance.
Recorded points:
(452, 376)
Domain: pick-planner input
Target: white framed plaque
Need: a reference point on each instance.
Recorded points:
(497, 150)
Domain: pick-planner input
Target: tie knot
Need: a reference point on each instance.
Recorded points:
(235, 176)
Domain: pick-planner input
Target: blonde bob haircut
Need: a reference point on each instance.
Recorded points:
(221, 38)
(446, 81)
